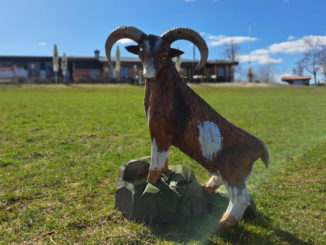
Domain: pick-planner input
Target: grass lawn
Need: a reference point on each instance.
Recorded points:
(61, 148)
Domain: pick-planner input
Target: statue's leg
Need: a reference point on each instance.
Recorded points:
(239, 201)
(158, 159)
(165, 167)
(214, 182)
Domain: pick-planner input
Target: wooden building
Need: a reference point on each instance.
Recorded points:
(214, 70)
(83, 69)
(297, 80)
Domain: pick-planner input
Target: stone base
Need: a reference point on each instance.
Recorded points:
(176, 197)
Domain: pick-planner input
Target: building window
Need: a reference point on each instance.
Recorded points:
(33, 69)
(124, 72)
(49, 69)
(94, 74)
(220, 71)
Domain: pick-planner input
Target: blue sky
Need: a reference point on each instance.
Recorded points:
(79, 27)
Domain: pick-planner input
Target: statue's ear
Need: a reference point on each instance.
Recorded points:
(134, 49)
(175, 52)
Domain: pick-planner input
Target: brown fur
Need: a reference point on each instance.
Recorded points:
(154, 175)
(210, 189)
(227, 221)
(173, 111)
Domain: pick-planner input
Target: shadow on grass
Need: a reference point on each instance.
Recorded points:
(204, 229)
(260, 230)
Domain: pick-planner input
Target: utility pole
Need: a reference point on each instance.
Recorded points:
(194, 59)
(250, 73)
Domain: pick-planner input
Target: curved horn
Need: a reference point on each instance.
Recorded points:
(121, 32)
(189, 35)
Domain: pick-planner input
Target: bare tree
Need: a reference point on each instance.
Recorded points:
(311, 58)
(231, 51)
(300, 69)
(322, 61)
(266, 73)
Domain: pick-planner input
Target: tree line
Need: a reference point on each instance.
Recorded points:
(313, 61)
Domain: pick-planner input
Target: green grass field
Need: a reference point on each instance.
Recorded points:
(61, 148)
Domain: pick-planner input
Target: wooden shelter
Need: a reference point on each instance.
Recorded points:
(297, 80)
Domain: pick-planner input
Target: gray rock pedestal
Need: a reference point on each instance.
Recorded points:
(130, 186)
(174, 198)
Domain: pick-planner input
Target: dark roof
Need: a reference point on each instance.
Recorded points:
(41, 58)
(191, 63)
(85, 62)
(231, 62)
(183, 61)
(93, 62)
(25, 58)
(125, 60)
(79, 62)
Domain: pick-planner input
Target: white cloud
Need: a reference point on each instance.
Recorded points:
(295, 46)
(260, 52)
(204, 34)
(42, 44)
(125, 41)
(221, 39)
(278, 78)
(258, 58)
(292, 46)
(291, 38)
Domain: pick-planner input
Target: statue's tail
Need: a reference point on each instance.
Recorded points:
(265, 155)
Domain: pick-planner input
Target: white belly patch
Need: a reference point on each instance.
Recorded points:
(210, 139)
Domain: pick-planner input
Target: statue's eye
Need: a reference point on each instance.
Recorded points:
(141, 49)
(164, 58)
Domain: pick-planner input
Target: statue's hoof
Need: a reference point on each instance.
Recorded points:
(227, 222)
(154, 175)
(209, 189)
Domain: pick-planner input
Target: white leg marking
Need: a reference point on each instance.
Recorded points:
(239, 201)
(215, 180)
(210, 139)
(157, 158)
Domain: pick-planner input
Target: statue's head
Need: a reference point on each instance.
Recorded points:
(155, 51)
